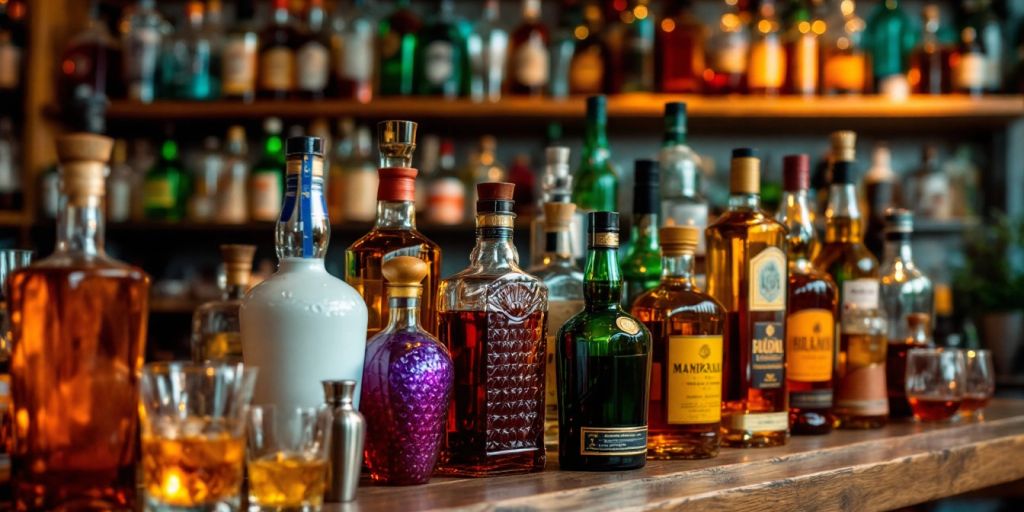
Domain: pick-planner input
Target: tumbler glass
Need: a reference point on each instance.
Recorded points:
(936, 379)
(287, 458)
(981, 383)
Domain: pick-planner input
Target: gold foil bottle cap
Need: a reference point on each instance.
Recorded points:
(678, 240)
(83, 161)
(844, 145)
(238, 263)
(558, 216)
(745, 172)
(404, 275)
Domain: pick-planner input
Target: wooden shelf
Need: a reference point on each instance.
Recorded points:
(900, 465)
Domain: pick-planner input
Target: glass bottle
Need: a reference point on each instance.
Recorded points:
(13, 46)
(728, 53)
(679, 49)
(341, 152)
(216, 333)
(78, 324)
(10, 260)
(240, 56)
(141, 46)
(446, 193)
(439, 55)
(929, 62)
(638, 61)
(559, 272)
(562, 49)
(746, 246)
(811, 311)
(556, 187)
(603, 358)
(407, 383)
(681, 199)
(641, 265)
(397, 43)
(486, 49)
(198, 81)
(119, 184)
(266, 182)
(10, 167)
(209, 165)
(880, 189)
(166, 187)
(859, 400)
(890, 37)
(588, 69)
(359, 177)
(844, 62)
(969, 64)
(394, 233)
(353, 37)
(530, 60)
(302, 326)
(929, 188)
(89, 72)
(313, 54)
(232, 190)
(277, 47)
(525, 179)
(802, 41)
(766, 67)
(989, 32)
(492, 318)
(596, 185)
(908, 304)
(687, 326)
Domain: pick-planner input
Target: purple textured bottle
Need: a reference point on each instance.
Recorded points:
(407, 380)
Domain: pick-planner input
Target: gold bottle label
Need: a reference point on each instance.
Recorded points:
(768, 280)
(613, 442)
(159, 193)
(810, 343)
(694, 377)
(757, 422)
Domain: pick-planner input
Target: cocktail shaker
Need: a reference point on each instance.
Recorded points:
(348, 431)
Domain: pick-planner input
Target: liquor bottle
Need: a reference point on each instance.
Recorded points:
(747, 274)
(907, 300)
(588, 69)
(313, 54)
(641, 265)
(603, 357)
(486, 48)
(880, 189)
(859, 400)
(492, 318)
(728, 54)
(890, 38)
(766, 68)
(141, 46)
(302, 326)
(556, 187)
(529, 63)
(638, 54)
(85, 86)
(407, 383)
(216, 333)
(596, 186)
(342, 152)
(240, 56)
(394, 233)
(352, 44)
(233, 187)
(75, 389)
(398, 49)
(811, 309)
(681, 199)
(359, 179)
(10, 260)
(167, 185)
(559, 272)
(687, 329)
(679, 49)
(208, 166)
(10, 167)
(13, 42)
(929, 62)
(947, 331)
(525, 179)
(968, 64)
(446, 194)
(266, 180)
(277, 47)
(989, 32)
(440, 55)
(802, 44)
(844, 62)
(120, 183)
(198, 80)
(562, 49)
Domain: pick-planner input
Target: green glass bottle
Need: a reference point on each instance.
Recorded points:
(603, 361)
(440, 54)
(597, 183)
(641, 266)
(397, 34)
(891, 37)
(266, 183)
(166, 187)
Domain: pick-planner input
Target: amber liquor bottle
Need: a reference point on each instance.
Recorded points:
(811, 312)
(747, 275)
(492, 319)
(686, 327)
(394, 233)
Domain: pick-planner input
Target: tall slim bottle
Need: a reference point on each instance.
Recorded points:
(398, 39)
(596, 187)
(679, 49)
(802, 42)
(78, 324)
(487, 49)
(140, 43)
(277, 54)
(302, 326)
(492, 318)
(394, 233)
(890, 39)
(811, 312)
(238, 67)
(766, 71)
(641, 265)
(681, 198)
(747, 274)
(352, 41)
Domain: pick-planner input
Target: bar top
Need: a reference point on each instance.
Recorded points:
(902, 464)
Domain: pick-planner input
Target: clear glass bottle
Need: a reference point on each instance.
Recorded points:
(641, 263)
(562, 48)
(209, 166)
(78, 324)
(638, 58)
(10, 166)
(492, 318)
(681, 198)
(240, 55)
(556, 187)
(989, 29)
(120, 184)
(969, 64)
(141, 42)
(353, 35)
(559, 272)
(446, 193)
(596, 187)
(199, 80)
(844, 61)
(728, 53)
(766, 68)
(486, 49)
(233, 188)
(530, 57)
(216, 332)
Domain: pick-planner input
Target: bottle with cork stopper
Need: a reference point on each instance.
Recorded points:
(216, 330)
(494, 311)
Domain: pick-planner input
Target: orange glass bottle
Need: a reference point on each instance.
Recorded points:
(78, 321)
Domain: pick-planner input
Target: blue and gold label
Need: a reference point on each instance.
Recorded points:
(768, 280)
(767, 356)
(613, 442)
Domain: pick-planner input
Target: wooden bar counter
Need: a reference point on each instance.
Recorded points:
(903, 464)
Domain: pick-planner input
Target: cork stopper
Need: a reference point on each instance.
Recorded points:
(495, 191)
(83, 159)
(238, 263)
(679, 240)
(844, 144)
(796, 172)
(404, 275)
(396, 184)
(558, 216)
(745, 172)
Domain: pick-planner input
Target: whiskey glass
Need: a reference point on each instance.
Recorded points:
(193, 435)
(287, 458)
(935, 382)
(981, 383)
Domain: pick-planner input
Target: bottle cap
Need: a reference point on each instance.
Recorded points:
(899, 221)
(304, 145)
(603, 229)
(396, 184)
(675, 108)
(83, 162)
(844, 144)
(238, 263)
(678, 240)
(404, 276)
(557, 155)
(745, 172)
(796, 172)
(494, 197)
(675, 117)
(338, 392)
(646, 187)
(558, 216)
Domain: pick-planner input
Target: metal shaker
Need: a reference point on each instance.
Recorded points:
(348, 431)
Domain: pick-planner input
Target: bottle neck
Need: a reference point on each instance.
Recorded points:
(678, 269)
(557, 246)
(303, 230)
(843, 215)
(645, 232)
(80, 226)
(744, 201)
(597, 138)
(403, 313)
(281, 13)
(602, 280)
(396, 215)
(798, 221)
(494, 249)
(898, 249)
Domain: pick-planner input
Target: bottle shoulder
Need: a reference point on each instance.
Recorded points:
(744, 220)
(75, 265)
(671, 299)
(385, 239)
(303, 283)
(403, 341)
(835, 256)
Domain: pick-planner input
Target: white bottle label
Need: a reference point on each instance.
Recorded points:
(438, 62)
(768, 280)
(357, 55)
(313, 62)
(532, 62)
(266, 196)
(239, 62)
(860, 294)
(119, 200)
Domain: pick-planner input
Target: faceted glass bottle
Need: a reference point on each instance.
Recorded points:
(603, 359)
(394, 233)
(641, 266)
(493, 317)
(811, 312)
(78, 325)
(216, 332)
(687, 329)
(407, 384)
(681, 199)
(747, 275)
(596, 185)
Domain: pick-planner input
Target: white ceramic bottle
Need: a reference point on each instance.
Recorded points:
(302, 325)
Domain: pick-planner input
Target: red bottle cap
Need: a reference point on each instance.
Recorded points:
(796, 172)
(396, 184)
(495, 191)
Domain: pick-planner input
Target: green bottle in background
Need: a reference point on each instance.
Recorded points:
(166, 187)
(397, 35)
(441, 54)
(641, 266)
(597, 184)
(266, 183)
(891, 37)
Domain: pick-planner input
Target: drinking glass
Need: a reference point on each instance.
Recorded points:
(936, 379)
(287, 458)
(193, 435)
(981, 382)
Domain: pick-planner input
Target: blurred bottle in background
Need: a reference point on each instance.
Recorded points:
(446, 196)
(313, 53)
(352, 47)
(120, 184)
(167, 185)
(530, 59)
(679, 49)
(208, 167)
(929, 63)
(232, 190)
(141, 39)
(267, 178)
(486, 48)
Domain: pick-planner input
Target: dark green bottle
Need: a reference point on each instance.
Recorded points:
(891, 37)
(440, 55)
(166, 188)
(603, 360)
(397, 50)
(597, 184)
(641, 267)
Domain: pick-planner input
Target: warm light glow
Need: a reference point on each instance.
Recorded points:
(668, 25)
(640, 12)
(818, 27)
(68, 67)
(914, 76)
(581, 32)
(627, 17)
(847, 7)
(709, 75)
(764, 26)
(172, 484)
(730, 22)
(843, 43)
(804, 27)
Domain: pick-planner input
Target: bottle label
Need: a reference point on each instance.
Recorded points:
(767, 356)
(860, 294)
(531, 62)
(862, 390)
(559, 312)
(159, 193)
(266, 196)
(586, 72)
(731, 57)
(613, 442)
(810, 343)
(10, 65)
(446, 201)
(304, 198)
(757, 422)
(767, 65)
(811, 399)
(239, 74)
(768, 280)
(313, 61)
(359, 194)
(439, 62)
(694, 378)
(845, 72)
(357, 54)
(970, 72)
(277, 70)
